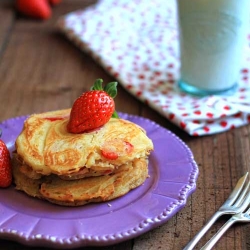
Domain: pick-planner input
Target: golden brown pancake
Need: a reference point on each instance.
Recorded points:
(45, 147)
(82, 191)
(74, 169)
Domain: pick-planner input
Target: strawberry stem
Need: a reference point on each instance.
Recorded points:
(115, 115)
(111, 89)
(97, 85)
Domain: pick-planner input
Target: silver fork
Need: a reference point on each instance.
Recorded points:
(240, 217)
(237, 202)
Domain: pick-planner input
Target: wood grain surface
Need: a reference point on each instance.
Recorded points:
(40, 70)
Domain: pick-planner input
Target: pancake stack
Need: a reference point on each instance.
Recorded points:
(75, 169)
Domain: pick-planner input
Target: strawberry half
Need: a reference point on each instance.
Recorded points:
(93, 108)
(5, 166)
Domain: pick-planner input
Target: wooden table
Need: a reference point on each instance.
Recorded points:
(41, 70)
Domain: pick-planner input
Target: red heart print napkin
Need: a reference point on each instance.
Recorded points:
(137, 43)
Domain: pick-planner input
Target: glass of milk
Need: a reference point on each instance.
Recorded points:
(213, 34)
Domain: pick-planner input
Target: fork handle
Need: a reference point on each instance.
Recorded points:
(218, 235)
(205, 228)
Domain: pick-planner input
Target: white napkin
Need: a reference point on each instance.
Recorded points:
(136, 41)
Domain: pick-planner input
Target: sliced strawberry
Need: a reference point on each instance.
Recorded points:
(109, 155)
(128, 147)
(52, 119)
(115, 148)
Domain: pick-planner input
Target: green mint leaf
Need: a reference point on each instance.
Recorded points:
(111, 89)
(115, 115)
(97, 85)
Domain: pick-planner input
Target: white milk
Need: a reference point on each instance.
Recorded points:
(213, 34)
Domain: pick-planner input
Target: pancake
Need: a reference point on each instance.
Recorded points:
(82, 191)
(45, 147)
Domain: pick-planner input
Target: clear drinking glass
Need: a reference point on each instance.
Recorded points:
(213, 34)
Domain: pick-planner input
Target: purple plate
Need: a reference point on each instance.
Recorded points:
(173, 173)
